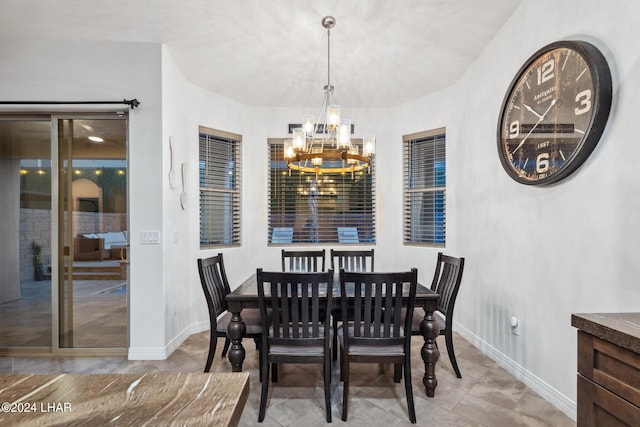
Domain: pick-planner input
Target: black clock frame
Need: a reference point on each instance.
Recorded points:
(602, 98)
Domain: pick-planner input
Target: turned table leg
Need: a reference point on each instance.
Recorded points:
(235, 331)
(430, 353)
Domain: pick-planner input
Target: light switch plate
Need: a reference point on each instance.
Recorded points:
(150, 237)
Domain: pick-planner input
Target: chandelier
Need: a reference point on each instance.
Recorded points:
(326, 147)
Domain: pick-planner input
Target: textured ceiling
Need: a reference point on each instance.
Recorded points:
(274, 53)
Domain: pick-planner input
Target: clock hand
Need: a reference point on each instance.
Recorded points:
(533, 111)
(525, 138)
(534, 126)
(545, 113)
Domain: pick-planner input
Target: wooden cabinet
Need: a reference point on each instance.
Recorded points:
(608, 369)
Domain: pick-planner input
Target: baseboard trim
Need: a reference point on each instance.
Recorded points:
(161, 353)
(147, 353)
(538, 385)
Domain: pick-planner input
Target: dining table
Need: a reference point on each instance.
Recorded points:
(246, 296)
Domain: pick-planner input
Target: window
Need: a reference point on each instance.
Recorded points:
(219, 171)
(330, 208)
(425, 188)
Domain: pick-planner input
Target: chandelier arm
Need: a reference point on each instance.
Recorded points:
(333, 97)
(325, 101)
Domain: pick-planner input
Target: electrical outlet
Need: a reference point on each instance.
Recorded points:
(515, 325)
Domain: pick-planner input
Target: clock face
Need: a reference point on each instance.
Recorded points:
(554, 112)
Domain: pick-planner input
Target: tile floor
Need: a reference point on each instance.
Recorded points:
(485, 396)
(99, 316)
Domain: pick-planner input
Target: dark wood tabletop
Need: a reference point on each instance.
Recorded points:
(246, 296)
(247, 293)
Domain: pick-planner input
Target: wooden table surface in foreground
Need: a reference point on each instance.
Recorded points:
(153, 399)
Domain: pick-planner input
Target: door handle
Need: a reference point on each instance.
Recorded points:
(67, 251)
(124, 256)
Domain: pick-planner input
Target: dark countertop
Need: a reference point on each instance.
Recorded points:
(622, 329)
(215, 399)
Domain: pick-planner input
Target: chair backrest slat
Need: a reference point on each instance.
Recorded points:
(275, 305)
(397, 314)
(378, 313)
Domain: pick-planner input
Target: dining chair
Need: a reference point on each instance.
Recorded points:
(216, 288)
(380, 330)
(446, 282)
(303, 261)
(296, 306)
(355, 261)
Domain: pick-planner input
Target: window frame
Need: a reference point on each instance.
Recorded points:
(234, 220)
(435, 218)
(366, 235)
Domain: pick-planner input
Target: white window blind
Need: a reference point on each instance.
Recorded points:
(425, 188)
(220, 173)
(330, 208)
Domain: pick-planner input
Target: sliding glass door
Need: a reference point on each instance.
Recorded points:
(65, 238)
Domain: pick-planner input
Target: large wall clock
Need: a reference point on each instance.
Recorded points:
(554, 112)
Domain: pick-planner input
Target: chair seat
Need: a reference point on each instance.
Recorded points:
(370, 350)
(418, 316)
(250, 317)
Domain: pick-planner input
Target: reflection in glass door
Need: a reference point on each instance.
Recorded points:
(93, 234)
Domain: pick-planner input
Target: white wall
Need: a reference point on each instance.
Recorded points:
(540, 253)
(186, 107)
